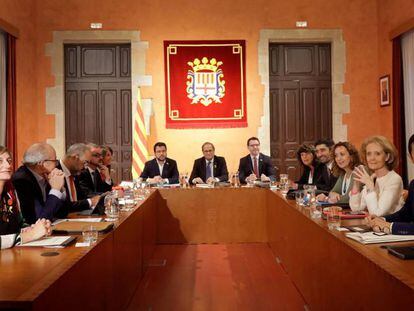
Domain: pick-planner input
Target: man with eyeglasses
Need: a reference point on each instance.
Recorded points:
(256, 165)
(95, 178)
(74, 161)
(209, 168)
(39, 184)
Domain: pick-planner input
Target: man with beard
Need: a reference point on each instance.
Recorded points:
(95, 178)
(161, 169)
(324, 155)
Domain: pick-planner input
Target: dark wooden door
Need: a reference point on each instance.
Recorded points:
(300, 100)
(98, 100)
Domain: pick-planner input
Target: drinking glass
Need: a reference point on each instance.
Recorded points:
(284, 183)
(315, 211)
(128, 200)
(299, 196)
(90, 234)
(111, 206)
(333, 217)
(250, 182)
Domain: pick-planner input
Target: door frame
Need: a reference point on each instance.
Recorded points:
(340, 100)
(55, 95)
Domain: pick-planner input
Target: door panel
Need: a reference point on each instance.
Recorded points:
(98, 100)
(300, 101)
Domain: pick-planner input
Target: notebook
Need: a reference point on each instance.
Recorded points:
(51, 241)
(377, 237)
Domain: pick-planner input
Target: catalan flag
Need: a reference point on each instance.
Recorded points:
(139, 145)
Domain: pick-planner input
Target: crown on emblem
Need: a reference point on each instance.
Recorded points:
(205, 64)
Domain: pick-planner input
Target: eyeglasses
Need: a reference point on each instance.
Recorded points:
(55, 161)
(97, 155)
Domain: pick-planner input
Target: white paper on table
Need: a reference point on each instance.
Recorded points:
(127, 184)
(48, 241)
(372, 237)
(206, 186)
(99, 219)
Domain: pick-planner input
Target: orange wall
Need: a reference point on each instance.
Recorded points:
(160, 20)
(21, 14)
(391, 14)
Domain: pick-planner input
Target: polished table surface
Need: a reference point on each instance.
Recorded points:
(330, 270)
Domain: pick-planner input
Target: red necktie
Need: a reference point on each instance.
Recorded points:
(256, 171)
(102, 176)
(72, 188)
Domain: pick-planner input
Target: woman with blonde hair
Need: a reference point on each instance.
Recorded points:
(346, 158)
(11, 221)
(382, 186)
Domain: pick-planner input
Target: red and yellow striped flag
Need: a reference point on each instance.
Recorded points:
(139, 145)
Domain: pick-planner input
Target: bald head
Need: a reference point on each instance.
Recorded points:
(37, 153)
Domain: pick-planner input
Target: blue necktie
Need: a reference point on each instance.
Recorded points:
(208, 170)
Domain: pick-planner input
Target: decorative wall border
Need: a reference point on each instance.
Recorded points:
(340, 101)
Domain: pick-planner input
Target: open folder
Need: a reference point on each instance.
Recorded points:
(374, 237)
(51, 241)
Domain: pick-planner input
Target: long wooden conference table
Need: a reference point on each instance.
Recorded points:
(330, 270)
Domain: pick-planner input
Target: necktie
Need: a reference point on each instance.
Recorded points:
(208, 170)
(102, 176)
(72, 188)
(255, 168)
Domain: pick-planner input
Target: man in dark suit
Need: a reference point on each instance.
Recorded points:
(39, 184)
(95, 178)
(324, 155)
(161, 169)
(72, 164)
(255, 165)
(209, 168)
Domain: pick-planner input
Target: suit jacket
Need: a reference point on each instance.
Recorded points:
(329, 178)
(319, 178)
(31, 200)
(88, 187)
(404, 218)
(219, 169)
(79, 205)
(264, 163)
(169, 170)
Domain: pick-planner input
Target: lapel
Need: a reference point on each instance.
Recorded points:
(260, 164)
(38, 191)
(215, 166)
(250, 164)
(156, 168)
(97, 177)
(166, 168)
(203, 168)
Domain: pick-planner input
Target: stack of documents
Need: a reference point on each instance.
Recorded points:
(50, 241)
(374, 237)
(207, 186)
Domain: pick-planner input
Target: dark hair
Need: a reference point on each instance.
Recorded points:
(160, 144)
(105, 150)
(327, 142)
(410, 144)
(252, 138)
(353, 153)
(308, 149)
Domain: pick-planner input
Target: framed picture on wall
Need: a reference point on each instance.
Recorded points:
(384, 84)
